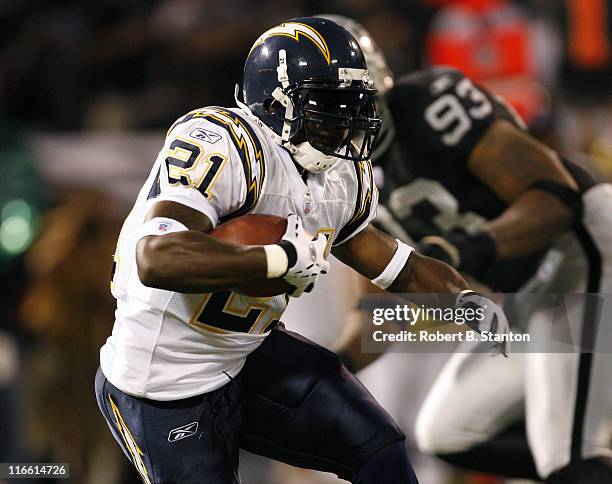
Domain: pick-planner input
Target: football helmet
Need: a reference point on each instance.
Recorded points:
(306, 81)
(381, 74)
(375, 59)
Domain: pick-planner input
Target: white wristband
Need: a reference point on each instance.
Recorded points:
(160, 226)
(277, 260)
(395, 265)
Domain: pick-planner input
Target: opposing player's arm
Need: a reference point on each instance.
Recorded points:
(370, 252)
(462, 125)
(375, 254)
(542, 195)
(389, 263)
(392, 265)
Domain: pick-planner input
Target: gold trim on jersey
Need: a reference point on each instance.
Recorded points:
(209, 187)
(294, 30)
(363, 203)
(244, 145)
(116, 260)
(249, 149)
(182, 154)
(259, 326)
(268, 314)
(247, 144)
(367, 200)
(130, 443)
(329, 232)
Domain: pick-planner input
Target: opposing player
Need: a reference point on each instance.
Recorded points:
(193, 370)
(463, 176)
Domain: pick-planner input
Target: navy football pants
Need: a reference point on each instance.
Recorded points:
(293, 402)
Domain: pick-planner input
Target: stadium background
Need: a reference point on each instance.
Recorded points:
(86, 92)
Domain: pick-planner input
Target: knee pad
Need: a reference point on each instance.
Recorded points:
(356, 427)
(365, 427)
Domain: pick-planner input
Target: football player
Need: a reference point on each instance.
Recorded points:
(193, 370)
(463, 176)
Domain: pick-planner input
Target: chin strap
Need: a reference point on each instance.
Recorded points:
(311, 159)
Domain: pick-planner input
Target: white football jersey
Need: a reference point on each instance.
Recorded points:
(168, 345)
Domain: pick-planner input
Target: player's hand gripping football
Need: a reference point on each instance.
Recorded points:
(306, 256)
(493, 321)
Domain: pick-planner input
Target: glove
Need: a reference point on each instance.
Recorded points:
(471, 253)
(494, 320)
(439, 248)
(306, 256)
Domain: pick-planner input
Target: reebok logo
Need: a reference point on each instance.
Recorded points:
(205, 135)
(183, 432)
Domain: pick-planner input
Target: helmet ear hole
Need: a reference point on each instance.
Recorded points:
(273, 107)
(268, 105)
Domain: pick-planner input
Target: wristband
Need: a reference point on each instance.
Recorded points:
(568, 197)
(276, 260)
(290, 251)
(394, 267)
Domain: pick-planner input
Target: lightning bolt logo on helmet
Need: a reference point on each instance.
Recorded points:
(305, 73)
(295, 30)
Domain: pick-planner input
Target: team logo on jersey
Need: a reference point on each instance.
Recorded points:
(205, 135)
(308, 204)
(163, 227)
(295, 30)
(183, 432)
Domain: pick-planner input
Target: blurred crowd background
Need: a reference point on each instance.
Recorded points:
(87, 90)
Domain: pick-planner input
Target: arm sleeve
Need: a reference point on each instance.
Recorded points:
(442, 115)
(366, 200)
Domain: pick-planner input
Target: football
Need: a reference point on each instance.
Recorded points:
(256, 230)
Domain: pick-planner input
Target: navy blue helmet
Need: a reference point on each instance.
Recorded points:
(307, 80)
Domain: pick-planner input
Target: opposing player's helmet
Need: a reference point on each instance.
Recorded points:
(307, 81)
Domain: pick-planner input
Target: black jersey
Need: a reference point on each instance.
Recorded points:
(439, 116)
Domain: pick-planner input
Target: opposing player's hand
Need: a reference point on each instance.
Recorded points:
(306, 256)
(493, 321)
(473, 253)
(439, 248)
